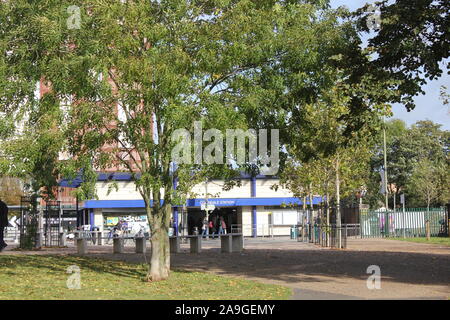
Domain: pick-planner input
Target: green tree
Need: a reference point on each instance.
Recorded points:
(31, 150)
(409, 45)
(405, 148)
(426, 181)
(336, 165)
(11, 189)
(129, 74)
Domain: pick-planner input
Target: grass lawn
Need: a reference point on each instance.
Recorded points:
(433, 240)
(45, 277)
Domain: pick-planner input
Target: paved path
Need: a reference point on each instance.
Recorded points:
(383, 245)
(408, 270)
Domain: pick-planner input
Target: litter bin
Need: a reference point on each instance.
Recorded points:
(294, 232)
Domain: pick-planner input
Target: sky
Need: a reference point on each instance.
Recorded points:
(428, 106)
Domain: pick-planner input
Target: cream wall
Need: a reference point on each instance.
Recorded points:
(215, 190)
(98, 218)
(263, 226)
(247, 221)
(263, 189)
(127, 190)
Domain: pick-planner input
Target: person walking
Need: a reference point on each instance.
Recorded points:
(3, 223)
(222, 226)
(212, 229)
(205, 227)
(171, 228)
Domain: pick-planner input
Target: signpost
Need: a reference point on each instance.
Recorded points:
(206, 206)
(385, 180)
(361, 194)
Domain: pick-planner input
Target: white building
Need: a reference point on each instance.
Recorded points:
(255, 208)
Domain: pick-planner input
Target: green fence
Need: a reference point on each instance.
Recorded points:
(410, 223)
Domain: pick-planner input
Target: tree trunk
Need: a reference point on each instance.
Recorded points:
(160, 254)
(311, 215)
(304, 221)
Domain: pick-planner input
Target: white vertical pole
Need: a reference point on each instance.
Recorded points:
(394, 216)
(404, 216)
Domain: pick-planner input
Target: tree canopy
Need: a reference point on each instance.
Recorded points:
(411, 45)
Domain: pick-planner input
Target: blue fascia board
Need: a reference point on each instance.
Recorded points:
(75, 183)
(109, 204)
(126, 176)
(230, 202)
(101, 176)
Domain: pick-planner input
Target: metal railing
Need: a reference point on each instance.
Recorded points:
(324, 235)
(48, 236)
(262, 230)
(12, 235)
(409, 223)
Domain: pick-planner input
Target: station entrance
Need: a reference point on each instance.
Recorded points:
(196, 217)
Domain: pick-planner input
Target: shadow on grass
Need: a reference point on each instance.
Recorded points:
(61, 263)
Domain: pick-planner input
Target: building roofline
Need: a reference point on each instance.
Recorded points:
(126, 176)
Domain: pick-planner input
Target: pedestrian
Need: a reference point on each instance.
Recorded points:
(3, 223)
(222, 226)
(125, 226)
(171, 228)
(205, 227)
(212, 229)
(174, 225)
(94, 234)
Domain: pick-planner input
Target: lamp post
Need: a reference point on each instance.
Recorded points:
(385, 166)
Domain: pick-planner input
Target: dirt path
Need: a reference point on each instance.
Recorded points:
(408, 270)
